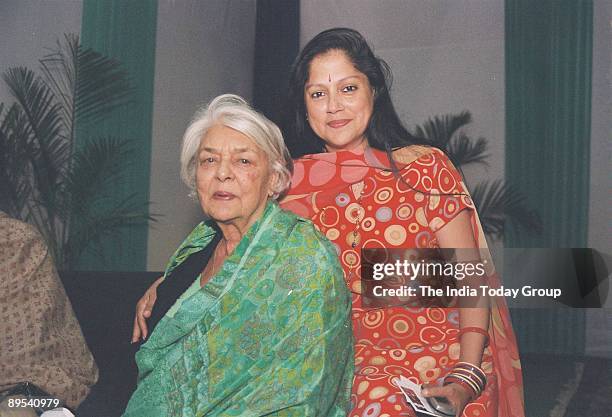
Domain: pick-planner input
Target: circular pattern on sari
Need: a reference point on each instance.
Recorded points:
(418, 343)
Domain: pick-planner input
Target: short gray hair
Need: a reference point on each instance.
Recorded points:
(234, 112)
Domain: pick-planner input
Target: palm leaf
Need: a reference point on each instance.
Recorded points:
(90, 231)
(90, 84)
(102, 85)
(500, 205)
(463, 150)
(439, 130)
(17, 182)
(96, 169)
(65, 191)
(11, 174)
(43, 132)
(37, 102)
(446, 132)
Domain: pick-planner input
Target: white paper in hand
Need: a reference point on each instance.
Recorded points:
(413, 395)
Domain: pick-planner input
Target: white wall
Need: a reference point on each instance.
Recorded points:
(204, 48)
(28, 27)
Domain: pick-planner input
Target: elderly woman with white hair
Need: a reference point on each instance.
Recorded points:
(257, 313)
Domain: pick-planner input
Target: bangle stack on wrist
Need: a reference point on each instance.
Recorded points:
(469, 376)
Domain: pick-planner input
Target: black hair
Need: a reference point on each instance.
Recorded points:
(385, 131)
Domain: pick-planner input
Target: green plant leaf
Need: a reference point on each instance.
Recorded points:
(89, 231)
(89, 83)
(439, 130)
(98, 167)
(463, 150)
(500, 205)
(64, 190)
(14, 187)
(37, 102)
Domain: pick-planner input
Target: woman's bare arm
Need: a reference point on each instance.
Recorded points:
(458, 233)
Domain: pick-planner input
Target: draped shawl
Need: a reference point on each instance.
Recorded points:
(269, 334)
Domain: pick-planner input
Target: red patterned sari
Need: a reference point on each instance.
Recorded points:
(357, 201)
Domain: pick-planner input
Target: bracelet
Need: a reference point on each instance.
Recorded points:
(472, 377)
(474, 329)
(468, 381)
(472, 368)
(469, 376)
(450, 379)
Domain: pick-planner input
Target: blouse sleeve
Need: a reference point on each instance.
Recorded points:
(445, 192)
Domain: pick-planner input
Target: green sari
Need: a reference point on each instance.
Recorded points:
(269, 335)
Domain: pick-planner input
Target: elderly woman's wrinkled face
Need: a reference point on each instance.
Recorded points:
(339, 101)
(233, 177)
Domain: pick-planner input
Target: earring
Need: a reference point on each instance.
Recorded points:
(306, 116)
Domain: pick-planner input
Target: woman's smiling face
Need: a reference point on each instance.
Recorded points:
(339, 101)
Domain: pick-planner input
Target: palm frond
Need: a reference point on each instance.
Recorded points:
(16, 179)
(500, 205)
(90, 83)
(64, 190)
(439, 130)
(102, 85)
(90, 231)
(59, 71)
(43, 131)
(463, 150)
(12, 201)
(97, 168)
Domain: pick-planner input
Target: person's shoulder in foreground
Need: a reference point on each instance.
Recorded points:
(42, 341)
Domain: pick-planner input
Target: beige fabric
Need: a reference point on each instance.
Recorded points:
(41, 341)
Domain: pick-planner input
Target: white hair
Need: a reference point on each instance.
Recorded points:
(234, 112)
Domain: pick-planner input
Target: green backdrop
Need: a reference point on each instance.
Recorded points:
(548, 114)
(125, 30)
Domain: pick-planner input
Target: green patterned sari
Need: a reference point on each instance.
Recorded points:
(269, 335)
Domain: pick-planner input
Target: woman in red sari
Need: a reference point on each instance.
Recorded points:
(366, 182)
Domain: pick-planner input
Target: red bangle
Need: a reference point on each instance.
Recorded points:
(471, 376)
(454, 380)
(472, 368)
(474, 329)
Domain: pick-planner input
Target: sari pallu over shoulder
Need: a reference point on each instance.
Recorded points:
(270, 334)
(359, 197)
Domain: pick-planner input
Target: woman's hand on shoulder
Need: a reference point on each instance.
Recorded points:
(144, 307)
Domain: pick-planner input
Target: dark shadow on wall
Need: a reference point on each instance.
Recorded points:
(277, 42)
